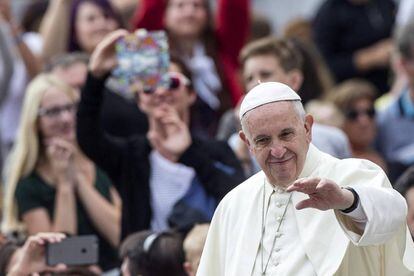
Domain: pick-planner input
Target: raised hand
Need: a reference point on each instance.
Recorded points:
(168, 134)
(103, 58)
(323, 194)
(32, 256)
(61, 153)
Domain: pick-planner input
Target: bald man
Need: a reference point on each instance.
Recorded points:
(306, 212)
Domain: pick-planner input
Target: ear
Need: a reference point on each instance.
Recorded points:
(244, 138)
(188, 268)
(295, 79)
(308, 127)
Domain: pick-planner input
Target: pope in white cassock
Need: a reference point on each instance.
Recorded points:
(306, 213)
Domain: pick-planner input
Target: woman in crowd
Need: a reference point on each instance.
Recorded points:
(81, 30)
(168, 177)
(211, 54)
(51, 185)
(355, 99)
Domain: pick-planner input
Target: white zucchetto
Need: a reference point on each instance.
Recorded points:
(267, 92)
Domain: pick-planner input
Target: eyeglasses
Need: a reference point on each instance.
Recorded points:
(54, 112)
(353, 114)
(175, 81)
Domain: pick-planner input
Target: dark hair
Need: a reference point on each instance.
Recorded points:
(405, 181)
(183, 67)
(154, 254)
(105, 5)
(33, 15)
(7, 250)
(317, 79)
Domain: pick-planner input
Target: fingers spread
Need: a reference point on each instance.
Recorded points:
(304, 185)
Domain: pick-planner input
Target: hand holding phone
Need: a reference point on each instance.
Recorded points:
(32, 257)
(77, 250)
(143, 60)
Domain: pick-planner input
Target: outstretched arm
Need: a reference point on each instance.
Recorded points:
(55, 28)
(104, 150)
(384, 208)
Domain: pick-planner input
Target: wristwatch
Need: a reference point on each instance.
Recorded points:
(354, 204)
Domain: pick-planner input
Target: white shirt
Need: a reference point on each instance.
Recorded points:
(168, 183)
(329, 238)
(287, 245)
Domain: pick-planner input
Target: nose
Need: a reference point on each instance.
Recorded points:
(365, 119)
(66, 115)
(277, 151)
(160, 91)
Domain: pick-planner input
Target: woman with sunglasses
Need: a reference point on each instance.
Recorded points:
(168, 177)
(355, 99)
(51, 185)
(210, 50)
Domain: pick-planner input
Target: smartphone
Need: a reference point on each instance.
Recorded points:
(77, 250)
(143, 61)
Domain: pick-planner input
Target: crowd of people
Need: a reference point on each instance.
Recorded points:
(326, 109)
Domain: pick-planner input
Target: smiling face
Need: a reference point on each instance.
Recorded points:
(92, 25)
(186, 18)
(56, 115)
(279, 139)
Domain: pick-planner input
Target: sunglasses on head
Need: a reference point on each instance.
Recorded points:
(175, 81)
(353, 114)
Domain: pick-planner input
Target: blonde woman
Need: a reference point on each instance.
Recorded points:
(51, 185)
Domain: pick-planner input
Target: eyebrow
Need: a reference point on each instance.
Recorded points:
(260, 137)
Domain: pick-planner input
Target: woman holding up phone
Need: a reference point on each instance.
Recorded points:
(51, 185)
(162, 175)
(211, 53)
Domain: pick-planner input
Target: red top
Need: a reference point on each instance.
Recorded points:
(232, 30)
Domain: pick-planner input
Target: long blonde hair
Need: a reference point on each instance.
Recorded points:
(25, 153)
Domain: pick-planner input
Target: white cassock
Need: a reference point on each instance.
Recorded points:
(325, 242)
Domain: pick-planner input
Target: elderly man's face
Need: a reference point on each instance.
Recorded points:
(279, 139)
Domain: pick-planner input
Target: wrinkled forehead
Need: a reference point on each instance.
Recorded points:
(276, 115)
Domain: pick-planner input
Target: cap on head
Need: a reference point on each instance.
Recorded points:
(267, 92)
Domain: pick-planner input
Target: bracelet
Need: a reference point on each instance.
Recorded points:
(354, 204)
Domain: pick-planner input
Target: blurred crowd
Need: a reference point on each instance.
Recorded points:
(145, 173)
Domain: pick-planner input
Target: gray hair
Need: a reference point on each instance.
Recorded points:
(66, 60)
(297, 107)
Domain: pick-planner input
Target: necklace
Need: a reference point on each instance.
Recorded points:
(264, 266)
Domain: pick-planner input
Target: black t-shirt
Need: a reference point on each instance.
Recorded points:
(33, 192)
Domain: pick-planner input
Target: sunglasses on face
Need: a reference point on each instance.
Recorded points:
(175, 81)
(54, 112)
(353, 114)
